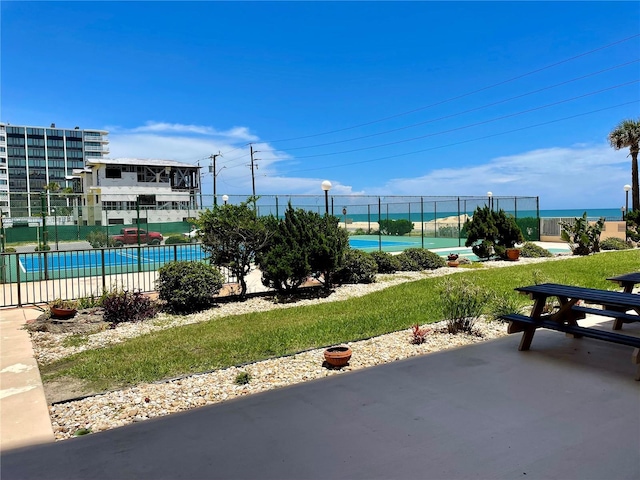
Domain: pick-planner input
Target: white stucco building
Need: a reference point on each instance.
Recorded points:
(115, 191)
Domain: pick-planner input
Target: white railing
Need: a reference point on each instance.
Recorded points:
(95, 138)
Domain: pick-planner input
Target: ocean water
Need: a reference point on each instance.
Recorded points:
(592, 214)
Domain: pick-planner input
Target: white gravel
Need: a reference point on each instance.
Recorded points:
(114, 409)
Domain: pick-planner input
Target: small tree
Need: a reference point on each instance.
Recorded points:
(232, 235)
(495, 232)
(395, 227)
(582, 238)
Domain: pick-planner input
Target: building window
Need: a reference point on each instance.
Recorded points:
(116, 221)
(112, 172)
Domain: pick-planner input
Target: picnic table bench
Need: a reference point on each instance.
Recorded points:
(627, 281)
(565, 319)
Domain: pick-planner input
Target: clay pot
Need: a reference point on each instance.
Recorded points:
(337, 356)
(453, 263)
(513, 254)
(58, 312)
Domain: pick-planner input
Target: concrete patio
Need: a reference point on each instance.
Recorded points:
(567, 409)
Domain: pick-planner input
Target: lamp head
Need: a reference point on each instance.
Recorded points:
(627, 188)
(489, 194)
(225, 198)
(326, 185)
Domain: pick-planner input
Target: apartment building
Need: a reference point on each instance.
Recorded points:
(32, 158)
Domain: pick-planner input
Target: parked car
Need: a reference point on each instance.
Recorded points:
(129, 236)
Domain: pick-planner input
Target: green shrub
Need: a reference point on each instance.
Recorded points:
(357, 267)
(426, 259)
(386, 262)
(123, 306)
(99, 239)
(449, 231)
(359, 231)
(531, 250)
(462, 303)
(188, 286)
(490, 233)
(614, 244)
(407, 263)
(42, 248)
(395, 227)
(92, 301)
(242, 378)
(9, 250)
(503, 304)
(582, 237)
(633, 225)
(174, 239)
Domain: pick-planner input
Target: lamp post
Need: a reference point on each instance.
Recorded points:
(622, 208)
(225, 198)
(55, 226)
(626, 194)
(490, 195)
(326, 186)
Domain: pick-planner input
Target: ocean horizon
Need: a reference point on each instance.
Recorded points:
(611, 214)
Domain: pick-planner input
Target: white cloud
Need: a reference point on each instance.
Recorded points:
(578, 176)
(568, 177)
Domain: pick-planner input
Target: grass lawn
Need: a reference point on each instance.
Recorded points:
(235, 340)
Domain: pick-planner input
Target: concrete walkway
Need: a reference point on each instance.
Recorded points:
(24, 415)
(567, 409)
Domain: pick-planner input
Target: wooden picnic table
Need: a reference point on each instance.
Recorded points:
(565, 319)
(627, 281)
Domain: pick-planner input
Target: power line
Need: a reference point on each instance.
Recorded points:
(457, 97)
(495, 119)
(465, 111)
(328, 167)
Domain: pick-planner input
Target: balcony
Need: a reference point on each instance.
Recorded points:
(96, 148)
(95, 138)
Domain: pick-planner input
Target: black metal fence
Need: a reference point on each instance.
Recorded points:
(38, 277)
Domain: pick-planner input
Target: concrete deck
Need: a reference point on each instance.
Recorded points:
(567, 409)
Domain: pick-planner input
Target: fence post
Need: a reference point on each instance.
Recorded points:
(435, 219)
(379, 229)
(104, 277)
(422, 220)
(459, 231)
(18, 279)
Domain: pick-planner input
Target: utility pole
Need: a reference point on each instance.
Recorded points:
(253, 177)
(215, 174)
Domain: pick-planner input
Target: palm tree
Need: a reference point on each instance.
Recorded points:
(627, 134)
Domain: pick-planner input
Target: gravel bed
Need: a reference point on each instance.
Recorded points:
(144, 401)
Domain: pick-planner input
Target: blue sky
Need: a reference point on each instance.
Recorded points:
(416, 98)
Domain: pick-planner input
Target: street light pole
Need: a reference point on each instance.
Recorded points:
(490, 195)
(626, 193)
(225, 198)
(326, 186)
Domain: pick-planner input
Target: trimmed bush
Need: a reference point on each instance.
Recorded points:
(174, 239)
(124, 306)
(614, 244)
(386, 262)
(99, 239)
(426, 259)
(395, 227)
(531, 250)
(407, 263)
(357, 267)
(188, 286)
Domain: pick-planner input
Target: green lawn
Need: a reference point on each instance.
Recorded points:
(234, 340)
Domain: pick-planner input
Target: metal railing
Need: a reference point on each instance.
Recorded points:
(38, 277)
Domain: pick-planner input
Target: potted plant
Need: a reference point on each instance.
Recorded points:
(63, 308)
(337, 356)
(452, 260)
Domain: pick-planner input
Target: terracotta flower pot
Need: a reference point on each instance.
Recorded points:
(58, 312)
(337, 356)
(453, 263)
(513, 254)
